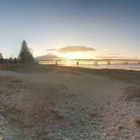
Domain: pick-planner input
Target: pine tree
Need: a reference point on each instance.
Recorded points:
(25, 55)
(1, 58)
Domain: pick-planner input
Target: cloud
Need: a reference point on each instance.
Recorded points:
(114, 54)
(49, 50)
(109, 57)
(71, 49)
(49, 56)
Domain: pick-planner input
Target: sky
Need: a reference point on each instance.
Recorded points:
(90, 29)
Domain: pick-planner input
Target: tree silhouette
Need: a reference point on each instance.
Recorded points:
(25, 55)
(1, 58)
(15, 61)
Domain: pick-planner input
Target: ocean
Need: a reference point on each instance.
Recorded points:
(135, 67)
(128, 66)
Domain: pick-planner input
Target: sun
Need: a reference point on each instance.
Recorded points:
(76, 55)
(71, 55)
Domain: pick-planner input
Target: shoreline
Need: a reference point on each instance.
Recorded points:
(134, 67)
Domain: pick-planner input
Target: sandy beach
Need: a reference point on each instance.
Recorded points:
(68, 103)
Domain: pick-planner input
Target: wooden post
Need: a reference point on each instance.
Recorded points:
(108, 63)
(95, 63)
(77, 63)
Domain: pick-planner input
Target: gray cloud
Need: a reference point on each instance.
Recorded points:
(49, 56)
(49, 50)
(114, 54)
(109, 57)
(70, 49)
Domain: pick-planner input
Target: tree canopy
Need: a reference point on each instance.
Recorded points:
(25, 55)
(1, 56)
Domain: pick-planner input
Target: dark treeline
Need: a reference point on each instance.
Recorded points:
(9, 61)
(25, 56)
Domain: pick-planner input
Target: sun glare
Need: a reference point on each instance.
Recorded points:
(77, 55)
(72, 55)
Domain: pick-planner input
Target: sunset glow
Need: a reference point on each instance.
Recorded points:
(72, 55)
(71, 28)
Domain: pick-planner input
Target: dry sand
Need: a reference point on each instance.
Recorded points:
(66, 103)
